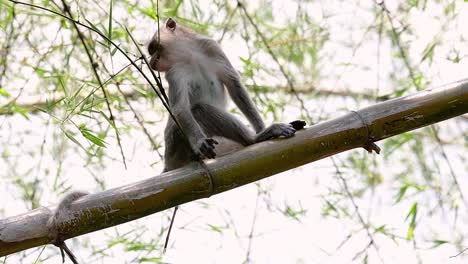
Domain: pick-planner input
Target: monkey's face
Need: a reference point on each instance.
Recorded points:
(162, 47)
(157, 61)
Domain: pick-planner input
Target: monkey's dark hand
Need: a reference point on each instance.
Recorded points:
(207, 146)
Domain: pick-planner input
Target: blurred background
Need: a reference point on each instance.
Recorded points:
(314, 60)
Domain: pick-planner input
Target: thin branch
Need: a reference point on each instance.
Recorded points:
(105, 38)
(356, 209)
(402, 51)
(275, 58)
(449, 164)
(94, 66)
(459, 253)
(252, 228)
(228, 21)
(5, 51)
(140, 122)
(418, 87)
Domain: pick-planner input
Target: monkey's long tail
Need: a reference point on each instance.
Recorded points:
(166, 243)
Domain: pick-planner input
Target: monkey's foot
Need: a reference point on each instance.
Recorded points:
(298, 124)
(278, 130)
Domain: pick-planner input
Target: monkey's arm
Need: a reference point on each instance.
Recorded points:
(231, 79)
(241, 98)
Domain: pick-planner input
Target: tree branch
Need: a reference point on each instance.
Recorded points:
(356, 129)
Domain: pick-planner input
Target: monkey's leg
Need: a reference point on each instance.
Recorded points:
(217, 122)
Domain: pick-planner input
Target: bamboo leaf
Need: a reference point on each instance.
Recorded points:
(412, 215)
(437, 243)
(4, 92)
(108, 119)
(91, 137)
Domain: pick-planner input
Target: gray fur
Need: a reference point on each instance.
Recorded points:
(62, 211)
(199, 73)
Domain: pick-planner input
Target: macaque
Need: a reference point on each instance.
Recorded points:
(199, 73)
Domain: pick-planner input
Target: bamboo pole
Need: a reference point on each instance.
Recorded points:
(123, 204)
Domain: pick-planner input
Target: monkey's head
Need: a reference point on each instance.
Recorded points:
(169, 45)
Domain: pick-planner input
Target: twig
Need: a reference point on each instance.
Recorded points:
(94, 66)
(356, 209)
(461, 252)
(252, 228)
(275, 58)
(418, 87)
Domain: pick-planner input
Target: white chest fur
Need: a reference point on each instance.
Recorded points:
(205, 87)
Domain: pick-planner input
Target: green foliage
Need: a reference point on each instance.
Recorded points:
(57, 129)
(218, 229)
(91, 137)
(4, 92)
(294, 213)
(403, 189)
(412, 214)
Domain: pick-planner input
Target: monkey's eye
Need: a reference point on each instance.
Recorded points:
(154, 47)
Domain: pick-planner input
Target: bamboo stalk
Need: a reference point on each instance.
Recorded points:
(123, 204)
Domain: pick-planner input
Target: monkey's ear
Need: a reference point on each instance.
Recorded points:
(171, 24)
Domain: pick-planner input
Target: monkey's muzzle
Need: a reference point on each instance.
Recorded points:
(154, 62)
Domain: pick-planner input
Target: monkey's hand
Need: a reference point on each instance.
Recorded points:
(278, 130)
(206, 147)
